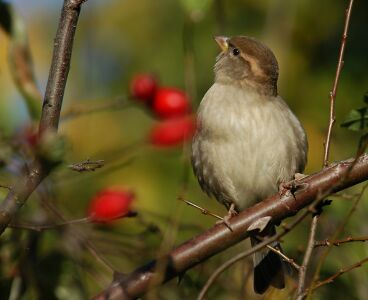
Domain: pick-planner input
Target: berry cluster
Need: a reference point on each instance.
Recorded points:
(175, 125)
(171, 106)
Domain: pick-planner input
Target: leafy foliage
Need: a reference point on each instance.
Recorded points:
(357, 119)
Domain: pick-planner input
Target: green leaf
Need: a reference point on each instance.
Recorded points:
(357, 120)
(365, 98)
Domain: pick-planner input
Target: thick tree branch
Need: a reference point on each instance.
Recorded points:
(50, 110)
(218, 238)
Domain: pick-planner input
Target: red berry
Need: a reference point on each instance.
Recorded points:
(110, 204)
(172, 132)
(170, 102)
(143, 87)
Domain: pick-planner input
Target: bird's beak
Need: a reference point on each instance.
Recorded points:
(222, 42)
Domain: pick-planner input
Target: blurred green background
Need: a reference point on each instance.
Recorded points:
(173, 39)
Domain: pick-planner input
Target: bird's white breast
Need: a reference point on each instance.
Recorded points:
(246, 144)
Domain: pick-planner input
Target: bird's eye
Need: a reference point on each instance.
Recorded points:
(236, 52)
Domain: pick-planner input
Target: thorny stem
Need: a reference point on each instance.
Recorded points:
(306, 259)
(335, 235)
(332, 95)
(337, 243)
(336, 275)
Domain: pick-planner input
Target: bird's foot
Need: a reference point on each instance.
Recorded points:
(293, 185)
(231, 213)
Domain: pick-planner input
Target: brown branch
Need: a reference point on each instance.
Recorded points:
(336, 83)
(43, 227)
(336, 234)
(349, 239)
(219, 237)
(306, 259)
(338, 274)
(241, 256)
(201, 209)
(50, 110)
(284, 257)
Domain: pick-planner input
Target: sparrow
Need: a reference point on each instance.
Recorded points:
(248, 142)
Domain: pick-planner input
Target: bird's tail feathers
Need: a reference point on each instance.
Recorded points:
(269, 267)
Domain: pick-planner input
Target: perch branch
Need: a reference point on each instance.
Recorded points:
(218, 238)
(241, 256)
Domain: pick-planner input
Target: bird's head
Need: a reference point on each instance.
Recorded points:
(245, 61)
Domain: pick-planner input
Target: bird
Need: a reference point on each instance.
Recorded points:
(248, 143)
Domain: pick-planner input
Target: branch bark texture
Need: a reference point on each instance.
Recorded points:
(218, 238)
(50, 110)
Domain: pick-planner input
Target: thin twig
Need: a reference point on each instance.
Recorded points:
(87, 165)
(347, 196)
(50, 116)
(5, 187)
(201, 209)
(336, 275)
(336, 83)
(307, 257)
(337, 243)
(336, 234)
(284, 257)
(40, 228)
(77, 234)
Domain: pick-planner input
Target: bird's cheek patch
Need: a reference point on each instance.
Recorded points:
(254, 66)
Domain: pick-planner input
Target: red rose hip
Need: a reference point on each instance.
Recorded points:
(170, 102)
(172, 132)
(143, 87)
(110, 204)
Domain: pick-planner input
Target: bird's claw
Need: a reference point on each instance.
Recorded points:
(293, 185)
(225, 220)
